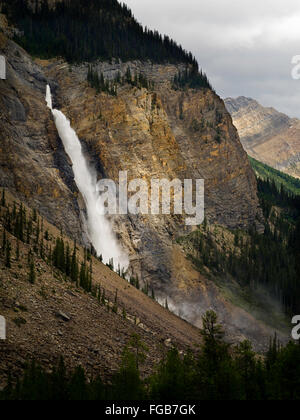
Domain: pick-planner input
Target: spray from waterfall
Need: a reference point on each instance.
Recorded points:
(97, 225)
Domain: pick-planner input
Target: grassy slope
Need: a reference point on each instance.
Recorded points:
(267, 172)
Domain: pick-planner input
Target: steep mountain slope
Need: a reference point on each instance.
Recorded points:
(158, 132)
(163, 133)
(266, 134)
(53, 317)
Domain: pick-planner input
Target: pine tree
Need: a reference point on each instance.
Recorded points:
(58, 257)
(103, 299)
(42, 255)
(32, 276)
(29, 231)
(124, 314)
(166, 304)
(18, 250)
(115, 307)
(29, 257)
(8, 255)
(4, 241)
(74, 267)
(3, 200)
(34, 215)
(38, 231)
(139, 349)
(68, 261)
(128, 75)
(14, 211)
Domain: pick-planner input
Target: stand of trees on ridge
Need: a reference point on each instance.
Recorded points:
(86, 31)
(101, 84)
(81, 30)
(281, 179)
(191, 78)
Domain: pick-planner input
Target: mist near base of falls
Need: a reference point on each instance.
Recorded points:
(98, 227)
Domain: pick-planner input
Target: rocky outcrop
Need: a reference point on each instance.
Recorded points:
(164, 133)
(161, 134)
(266, 134)
(33, 164)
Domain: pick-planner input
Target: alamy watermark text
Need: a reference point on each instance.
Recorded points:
(159, 196)
(2, 67)
(2, 328)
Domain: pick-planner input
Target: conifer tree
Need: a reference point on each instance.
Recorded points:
(32, 276)
(8, 255)
(128, 75)
(68, 261)
(4, 241)
(14, 211)
(18, 250)
(103, 298)
(38, 231)
(34, 215)
(29, 257)
(166, 304)
(124, 314)
(3, 200)
(74, 267)
(115, 306)
(42, 254)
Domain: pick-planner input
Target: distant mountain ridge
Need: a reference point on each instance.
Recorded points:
(266, 134)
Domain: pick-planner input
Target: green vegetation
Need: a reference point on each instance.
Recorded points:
(265, 172)
(268, 260)
(28, 229)
(31, 276)
(19, 321)
(98, 82)
(81, 30)
(191, 78)
(217, 371)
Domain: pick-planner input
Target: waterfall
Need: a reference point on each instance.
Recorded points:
(97, 225)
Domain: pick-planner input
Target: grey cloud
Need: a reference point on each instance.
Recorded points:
(245, 46)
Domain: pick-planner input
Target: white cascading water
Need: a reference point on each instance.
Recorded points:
(98, 227)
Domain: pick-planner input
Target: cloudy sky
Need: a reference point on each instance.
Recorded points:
(245, 46)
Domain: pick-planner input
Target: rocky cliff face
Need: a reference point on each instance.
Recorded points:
(159, 133)
(33, 164)
(163, 133)
(266, 134)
